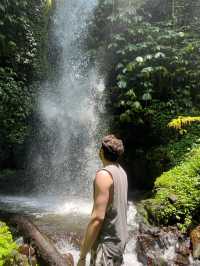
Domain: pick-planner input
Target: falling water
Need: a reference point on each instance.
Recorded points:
(65, 157)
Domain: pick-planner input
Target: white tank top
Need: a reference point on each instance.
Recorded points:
(114, 231)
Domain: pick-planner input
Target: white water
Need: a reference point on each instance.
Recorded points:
(64, 156)
(130, 257)
(54, 215)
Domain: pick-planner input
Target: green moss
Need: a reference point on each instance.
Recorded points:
(181, 183)
(8, 247)
(163, 157)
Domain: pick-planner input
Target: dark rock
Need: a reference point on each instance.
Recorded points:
(162, 246)
(183, 247)
(181, 260)
(149, 229)
(172, 198)
(183, 252)
(26, 250)
(195, 239)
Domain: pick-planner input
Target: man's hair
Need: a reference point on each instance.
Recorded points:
(112, 147)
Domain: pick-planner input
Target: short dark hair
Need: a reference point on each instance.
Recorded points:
(112, 147)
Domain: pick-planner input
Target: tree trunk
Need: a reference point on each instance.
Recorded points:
(47, 252)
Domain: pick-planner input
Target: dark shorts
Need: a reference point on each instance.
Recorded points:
(99, 258)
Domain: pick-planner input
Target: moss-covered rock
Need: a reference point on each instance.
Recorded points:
(176, 197)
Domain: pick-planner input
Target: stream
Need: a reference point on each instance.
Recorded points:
(64, 220)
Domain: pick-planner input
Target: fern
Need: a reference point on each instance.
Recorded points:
(181, 121)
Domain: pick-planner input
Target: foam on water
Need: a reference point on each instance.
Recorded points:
(130, 257)
(55, 213)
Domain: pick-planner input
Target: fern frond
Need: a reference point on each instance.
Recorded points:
(181, 121)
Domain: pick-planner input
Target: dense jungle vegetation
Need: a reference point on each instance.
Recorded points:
(148, 53)
(23, 65)
(23, 57)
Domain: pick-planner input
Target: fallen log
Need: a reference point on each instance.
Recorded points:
(47, 252)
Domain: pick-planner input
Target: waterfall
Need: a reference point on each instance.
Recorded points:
(65, 155)
(64, 150)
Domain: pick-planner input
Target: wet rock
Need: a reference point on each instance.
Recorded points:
(172, 198)
(195, 239)
(162, 246)
(183, 247)
(181, 260)
(183, 252)
(26, 250)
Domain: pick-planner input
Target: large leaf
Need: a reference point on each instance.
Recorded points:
(146, 96)
(122, 84)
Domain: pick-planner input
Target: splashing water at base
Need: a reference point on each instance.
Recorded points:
(130, 257)
(56, 217)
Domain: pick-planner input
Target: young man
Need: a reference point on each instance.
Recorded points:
(106, 234)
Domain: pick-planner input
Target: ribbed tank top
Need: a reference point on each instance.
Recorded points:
(114, 232)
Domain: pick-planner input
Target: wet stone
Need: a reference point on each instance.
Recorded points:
(172, 198)
(162, 246)
(26, 250)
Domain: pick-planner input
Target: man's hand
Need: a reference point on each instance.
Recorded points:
(82, 262)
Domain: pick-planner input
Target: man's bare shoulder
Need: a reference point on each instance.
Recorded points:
(103, 179)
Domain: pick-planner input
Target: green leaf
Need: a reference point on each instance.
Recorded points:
(131, 94)
(125, 117)
(146, 97)
(119, 66)
(122, 84)
(136, 105)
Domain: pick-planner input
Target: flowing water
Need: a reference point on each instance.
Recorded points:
(63, 157)
(65, 219)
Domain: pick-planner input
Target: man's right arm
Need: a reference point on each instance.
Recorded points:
(103, 182)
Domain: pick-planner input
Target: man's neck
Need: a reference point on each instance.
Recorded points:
(106, 163)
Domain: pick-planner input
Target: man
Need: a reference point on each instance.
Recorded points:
(106, 234)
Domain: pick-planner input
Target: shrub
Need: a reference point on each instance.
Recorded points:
(8, 247)
(177, 193)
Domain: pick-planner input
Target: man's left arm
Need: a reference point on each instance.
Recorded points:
(103, 182)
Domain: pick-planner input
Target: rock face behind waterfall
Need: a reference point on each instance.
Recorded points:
(163, 246)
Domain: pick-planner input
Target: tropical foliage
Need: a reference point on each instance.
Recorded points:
(8, 248)
(181, 121)
(177, 195)
(152, 75)
(23, 32)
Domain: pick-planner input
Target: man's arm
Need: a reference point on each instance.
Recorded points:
(103, 183)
